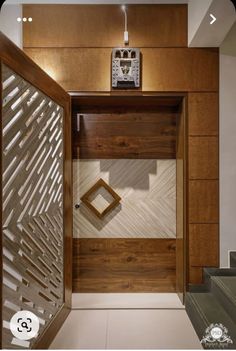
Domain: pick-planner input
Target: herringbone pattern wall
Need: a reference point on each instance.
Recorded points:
(32, 192)
(148, 199)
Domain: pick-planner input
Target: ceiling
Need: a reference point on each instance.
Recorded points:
(113, 2)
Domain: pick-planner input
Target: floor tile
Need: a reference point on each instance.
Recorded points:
(131, 301)
(150, 329)
(82, 330)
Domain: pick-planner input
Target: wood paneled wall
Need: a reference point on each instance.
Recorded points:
(124, 265)
(129, 135)
(98, 26)
(73, 44)
(203, 174)
(169, 69)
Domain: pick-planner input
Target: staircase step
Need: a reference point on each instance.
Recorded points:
(233, 259)
(208, 273)
(203, 309)
(224, 289)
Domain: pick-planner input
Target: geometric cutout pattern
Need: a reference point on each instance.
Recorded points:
(148, 192)
(86, 198)
(32, 202)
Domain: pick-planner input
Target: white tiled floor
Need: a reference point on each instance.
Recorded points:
(127, 329)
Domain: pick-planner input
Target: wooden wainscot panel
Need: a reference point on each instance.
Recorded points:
(204, 245)
(76, 69)
(195, 275)
(102, 25)
(180, 69)
(203, 113)
(203, 201)
(128, 135)
(164, 70)
(204, 157)
(124, 265)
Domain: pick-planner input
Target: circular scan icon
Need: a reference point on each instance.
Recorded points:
(216, 333)
(24, 325)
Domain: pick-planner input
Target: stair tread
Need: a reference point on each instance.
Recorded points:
(211, 309)
(228, 285)
(227, 272)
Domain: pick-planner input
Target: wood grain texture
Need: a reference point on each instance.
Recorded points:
(203, 201)
(129, 135)
(195, 275)
(121, 102)
(203, 112)
(203, 157)
(102, 25)
(169, 69)
(203, 171)
(204, 245)
(124, 265)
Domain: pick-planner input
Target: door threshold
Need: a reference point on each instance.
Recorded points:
(126, 301)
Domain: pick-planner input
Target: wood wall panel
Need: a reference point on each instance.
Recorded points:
(75, 69)
(203, 170)
(124, 265)
(164, 70)
(203, 157)
(203, 201)
(195, 275)
(204, 239)
(103, 25)
(203, 113)
(67, 52)
(126, 135)
(180, 69)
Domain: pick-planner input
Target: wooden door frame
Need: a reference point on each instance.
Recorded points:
(20, 63)
(78, 98)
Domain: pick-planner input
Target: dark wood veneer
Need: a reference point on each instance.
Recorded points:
(125, 135)
(124, 265)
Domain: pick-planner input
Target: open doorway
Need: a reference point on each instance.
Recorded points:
(136, 145)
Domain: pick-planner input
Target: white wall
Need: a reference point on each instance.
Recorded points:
(8, 23)
(228, 146)
(201, 32)
(196, 12)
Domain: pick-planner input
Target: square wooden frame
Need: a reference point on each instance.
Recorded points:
(101, 184)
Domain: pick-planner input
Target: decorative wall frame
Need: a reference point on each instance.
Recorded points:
(125, 68)
(86, 198)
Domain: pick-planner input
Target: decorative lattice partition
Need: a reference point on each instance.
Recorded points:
(32, 202)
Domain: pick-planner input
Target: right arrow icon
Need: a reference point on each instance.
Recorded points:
(213, 18)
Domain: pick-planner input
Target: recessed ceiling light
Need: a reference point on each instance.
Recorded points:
(19, 19)
(30, 19)
(24, 19)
